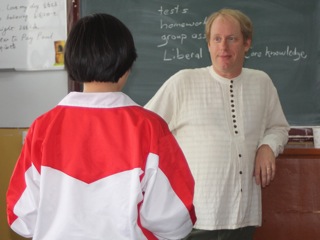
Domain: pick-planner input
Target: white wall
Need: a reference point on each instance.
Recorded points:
(26, 95)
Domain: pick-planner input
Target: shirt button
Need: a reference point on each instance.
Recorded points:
(240, 172)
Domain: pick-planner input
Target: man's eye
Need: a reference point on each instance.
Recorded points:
(217, 39)
(231, 39)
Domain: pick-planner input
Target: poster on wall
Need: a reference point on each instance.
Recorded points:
(32, 34)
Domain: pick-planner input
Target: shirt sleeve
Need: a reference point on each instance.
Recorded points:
(277, 128)
(165, 102)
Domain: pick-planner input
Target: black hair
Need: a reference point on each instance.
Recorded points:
(99, 48)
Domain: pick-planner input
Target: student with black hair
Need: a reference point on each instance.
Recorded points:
(99, 166)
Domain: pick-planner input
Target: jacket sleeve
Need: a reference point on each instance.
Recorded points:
(167, 209)
(23, 192)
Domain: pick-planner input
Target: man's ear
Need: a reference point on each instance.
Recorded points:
(247, 44)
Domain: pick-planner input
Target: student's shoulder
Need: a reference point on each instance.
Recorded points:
(149, 115)
(150, 118)
(43, 121)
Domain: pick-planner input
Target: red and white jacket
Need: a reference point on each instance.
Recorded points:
(98, 166)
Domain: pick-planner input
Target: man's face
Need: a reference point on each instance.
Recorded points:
(227, 47)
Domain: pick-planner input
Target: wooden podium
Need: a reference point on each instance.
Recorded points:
(291, 203)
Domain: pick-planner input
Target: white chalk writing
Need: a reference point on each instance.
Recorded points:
(184, 31)
(177, 31)
(178, 54)
(287, 51)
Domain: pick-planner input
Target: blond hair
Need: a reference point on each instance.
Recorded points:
(245, 22)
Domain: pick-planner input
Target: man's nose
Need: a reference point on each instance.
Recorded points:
(224, 43)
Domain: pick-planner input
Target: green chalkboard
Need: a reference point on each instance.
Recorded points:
(169, 36)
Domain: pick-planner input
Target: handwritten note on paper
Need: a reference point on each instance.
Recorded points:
(32, 34)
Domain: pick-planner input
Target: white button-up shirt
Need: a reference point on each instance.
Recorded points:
(219, 124)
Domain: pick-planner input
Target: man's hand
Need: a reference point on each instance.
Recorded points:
(265, 166)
